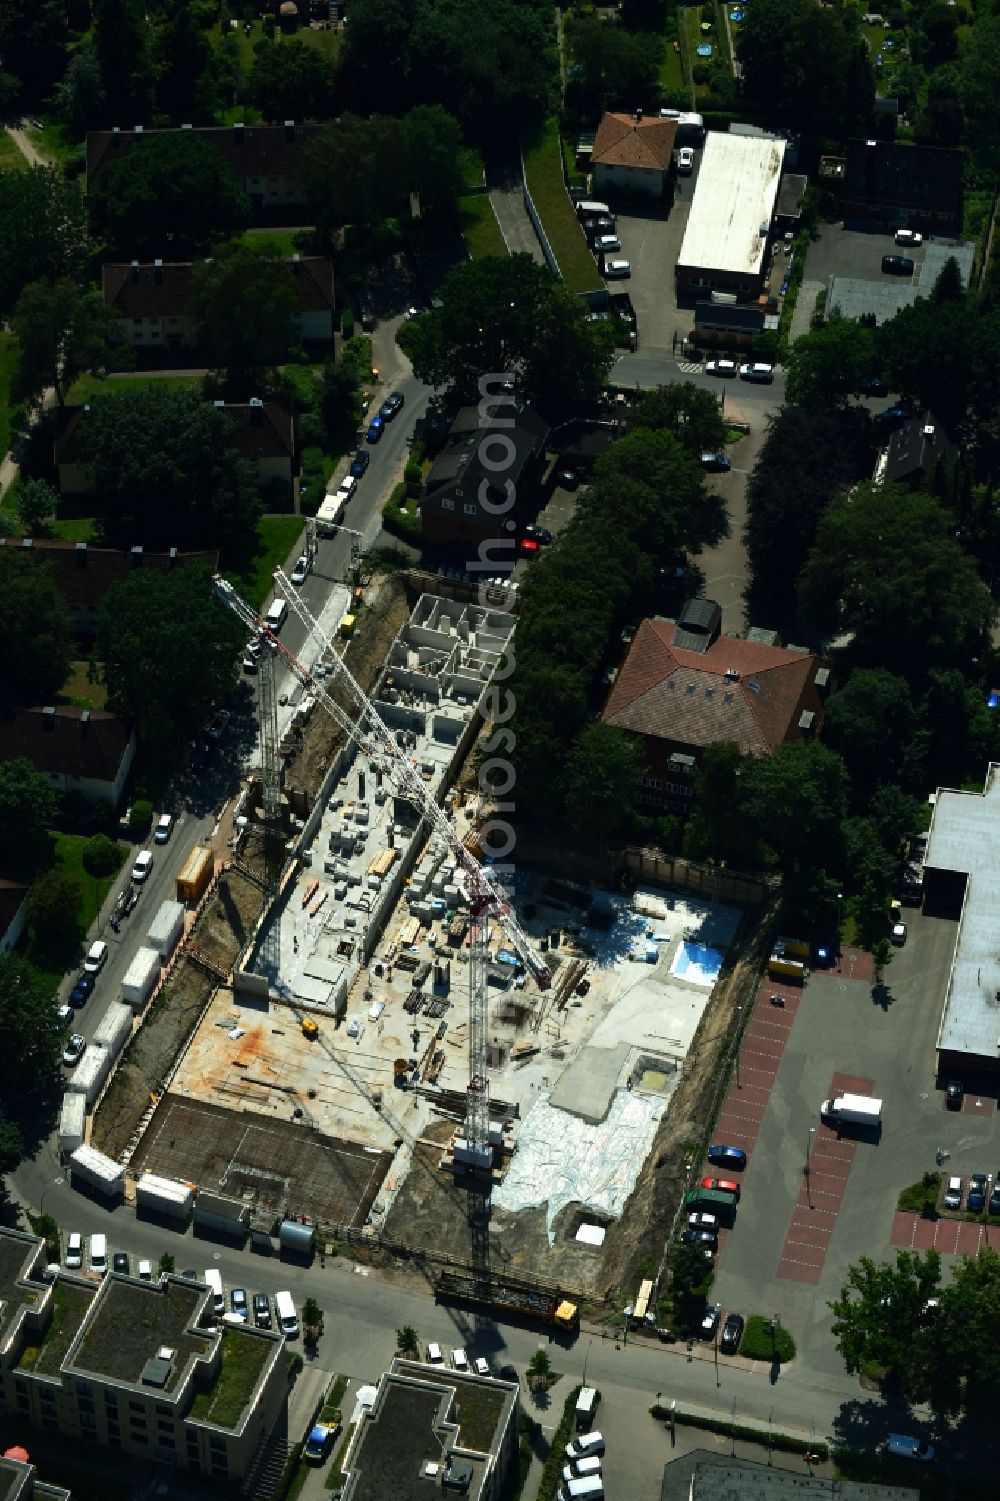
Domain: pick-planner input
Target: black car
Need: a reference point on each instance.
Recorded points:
(895, 416)
(391, 407)
(707, 1238)
(83, 988)
(897, 265)
(262, 1310)
(120, 1263)
(538, 533)
(954, 1094)
(360, 465)
(732, 1333)
(993, 1207)
(978, 1185)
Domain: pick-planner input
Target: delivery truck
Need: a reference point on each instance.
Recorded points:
(712, 1200)
(852, 1110)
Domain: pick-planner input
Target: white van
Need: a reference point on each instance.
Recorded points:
(287, 1320)
(587, 1444)
(581, 1467)
(589, 209)
(213, 1279)
(96, 956)
(586, 1488)
(99, 1254)
(276, 612)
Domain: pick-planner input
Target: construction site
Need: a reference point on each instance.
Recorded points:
(401, 1040)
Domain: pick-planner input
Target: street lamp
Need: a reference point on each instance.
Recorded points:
(809, 1142)
(585, 1359)
(41, 1204)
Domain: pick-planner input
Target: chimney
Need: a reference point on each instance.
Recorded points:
(219, 406)
(928, 433)
(135, 557)
(238, 133)
(638, 117)
(138, 130)
(116, 136)
(172, 555)
(256, 411)
(289, 130)
(81, 555)
(135, 271)
(296, 265)
(84, 724)
(27, 542)
(158, 273)
(187, 127)
(49, 718)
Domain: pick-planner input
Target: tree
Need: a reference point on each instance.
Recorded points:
(868, 722)
(53, 913)
(880, 1322)
(33, 38)
(690, 1280)
(101, 856)
(166, 472)
(406, 1341)
(36, 503)
(185, 87)
(43, 232)
(540, 1364)
(62, 331)
(290, 81)
(830, 363)
(602, 779)
(432, 142)
(718, 826)
(30, 1045)
(979, 68)
(79, 98)
(35, 628)
(887, 570)
(354, 172)
(341, 407)
(615, 67)
(243, 302)
(11, 1146)
(27, 811)
(797, 799)
(928, 352)
(123, 39)
(166, 1264)
(170, 195)
(690, 413)
(510, 315)
(168, 653)
(881, 958)
(806, 66)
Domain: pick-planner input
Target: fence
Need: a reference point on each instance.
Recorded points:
(716, 882)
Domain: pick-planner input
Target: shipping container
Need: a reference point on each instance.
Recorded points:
(72, 1122)
(140, 977)
(90, 1073)
(114, 1028)
(213, 1212)
(164, 1196)
(88, 1165)
(195, 874)
(166, 928)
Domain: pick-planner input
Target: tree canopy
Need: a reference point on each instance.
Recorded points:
(166, 472)
(62, 332)
(29, 1042)
(290, 80)
(43, 231)
(243, 300)
(27, 811)
(35, 626)
(170, 196)
(830, 363)
(602, 779)
(807, 65)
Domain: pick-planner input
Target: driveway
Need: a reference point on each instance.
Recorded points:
(854, 252)
(651, 242)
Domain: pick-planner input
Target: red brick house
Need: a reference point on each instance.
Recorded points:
(684, 686)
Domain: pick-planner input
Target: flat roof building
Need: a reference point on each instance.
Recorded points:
(705, 1476)
(725, 246)
(962, 877)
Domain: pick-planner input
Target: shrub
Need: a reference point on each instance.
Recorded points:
(101, 856)
(921, 1197)
(552, 1474)
(309, 430)
(347, 323)
(782, 1441)
(759, 1343)
(413, 476)
(402, 519)
(140, 817)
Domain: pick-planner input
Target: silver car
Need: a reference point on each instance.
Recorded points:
(617, 270)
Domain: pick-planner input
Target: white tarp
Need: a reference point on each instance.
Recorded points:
(561, 1159)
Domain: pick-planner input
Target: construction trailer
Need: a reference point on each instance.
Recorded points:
(227, 1216)
(164, 1196)
(195, 874)
(140, 978)
(90, 1167)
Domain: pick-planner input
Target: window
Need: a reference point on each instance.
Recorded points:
(84, 1388)
(447, 505)
(469, 510)
(20, 1385)
(111, 1399)
(216, 1441)
(23, 1401)
(139, 1407)
(655, 782)
(163, 1411)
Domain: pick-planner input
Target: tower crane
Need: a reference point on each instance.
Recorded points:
(488, 900)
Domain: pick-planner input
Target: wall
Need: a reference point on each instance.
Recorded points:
(533, 215)
(631, 179)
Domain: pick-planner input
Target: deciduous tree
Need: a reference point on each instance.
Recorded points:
(43, 234)
(35, 627)
(169, 196)
(290, 81)
(62, 331)
(37, 503)
(830, 363)
(243, 301)
(880, 1321)
(602, 779)
(869, 722)
(691, 414)
(27, 811)
(53, 913)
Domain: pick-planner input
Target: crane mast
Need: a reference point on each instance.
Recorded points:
(488, 900)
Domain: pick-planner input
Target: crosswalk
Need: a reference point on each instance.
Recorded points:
(689, 367)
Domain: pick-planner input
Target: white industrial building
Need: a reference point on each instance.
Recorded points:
(727, 240)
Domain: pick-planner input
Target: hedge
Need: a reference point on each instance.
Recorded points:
(759, 1343)
(921, 1197)
(404, 522)
(783, 1441)
(554, 1465)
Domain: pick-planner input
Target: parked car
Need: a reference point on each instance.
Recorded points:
(757, 371)
(904, 1447)
(392, 406)
(722, 367)
(74, 1050)
(319, 1443)
(482, 1366)
(360, 463)
(64, 1016)
(617, 270)
(600, 224)
(605, 243)
(143, 865)
(97, 956)
(83, 988)
(145, 1271)
(707, 1238)
(909, 237)
(120, 1263)
(376, 428)
(978, 1190)
(538, 533)
(459, 1360)
(238, 1303)
(898, 934)
(262, 1310)
(710, 1320)
(953, 1194)
(434, 1355)
(301, 570)
(993, 1207)
(721, 1185)
(701, 1220)
(74, 1250)
(527, 547)
(685, 161)
(897, 265)
(734, 1158)
(164, 828)
(716, 463)
(732, 1333)
(954, 1094)
(895, 416)
(874, 385)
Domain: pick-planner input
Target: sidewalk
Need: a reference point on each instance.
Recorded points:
(315, 1486)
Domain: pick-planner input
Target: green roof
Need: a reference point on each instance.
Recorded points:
(244, 1356)
(133, 1321)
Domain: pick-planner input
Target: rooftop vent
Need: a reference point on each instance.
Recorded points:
(732, 675)
(753, 685)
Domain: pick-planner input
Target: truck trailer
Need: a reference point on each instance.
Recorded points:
(195, 874)
(852, 1110)
(537, 1303)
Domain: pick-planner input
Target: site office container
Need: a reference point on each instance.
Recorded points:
(88, 1165)
(195, 874)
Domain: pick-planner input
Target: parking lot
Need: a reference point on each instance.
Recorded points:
(793, 1241)
(854, 252)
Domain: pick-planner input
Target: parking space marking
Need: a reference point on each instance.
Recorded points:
(950, 1237)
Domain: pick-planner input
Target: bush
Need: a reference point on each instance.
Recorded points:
(101, 856)
(781, 1441)
(347, 323)
(402, 519)
(922, 1196)
(413, 476)
(140, 817)
(309, 430)
(552, 1474)
(759, 1343)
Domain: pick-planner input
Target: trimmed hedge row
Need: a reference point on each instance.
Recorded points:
(552, 1474)
(405, 523)
(782, 1441)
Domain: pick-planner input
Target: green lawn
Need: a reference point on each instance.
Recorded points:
(278, 242)
(276, 537)
(691, 18)
(8, 369)
(88, 386)
(79, 690)
(75, 529)
(243, 1360)
(543, 168)
(480, 227)
(327, 42)
(68, 850)
(671, 73)
(53, 142)
(11, 159)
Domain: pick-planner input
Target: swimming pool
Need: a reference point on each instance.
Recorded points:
(698, 963)
(704, 49)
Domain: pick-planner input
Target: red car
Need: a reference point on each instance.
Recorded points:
(721, 1185)
(527, 547)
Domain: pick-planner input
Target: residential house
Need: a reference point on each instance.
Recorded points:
(633, 152)
(426, 1428)
(914, 452)
(153, 301)
(683, 686)
(727, 238)
(900, 186)
(482, 476)
(263, 159)
(88, 751)
(137, 1367)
